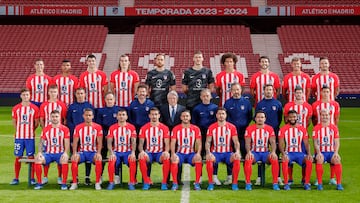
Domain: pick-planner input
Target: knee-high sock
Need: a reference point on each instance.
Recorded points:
(319, 172)
(174, 172)
(235, 171)
(165, 170)
(198, 170)
(210, 170)
(332, 171)
(111, 170)
(338, 173)
(285, 170)
(46, 170)
(87, 169)
(17, 167)
(38, 171)
(274, 170)
(290, 172)
(132, 172)
(59, 167)
(308, 170)
(143, 169)
(247, 170)
(74, 171)
(64, 171)
(98, 170)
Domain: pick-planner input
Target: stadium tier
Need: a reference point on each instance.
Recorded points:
(22, 44)
(191, 2)
(60, 2)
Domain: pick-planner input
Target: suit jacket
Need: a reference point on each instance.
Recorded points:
(166, 118)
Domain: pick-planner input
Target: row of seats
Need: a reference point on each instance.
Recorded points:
(60, 2)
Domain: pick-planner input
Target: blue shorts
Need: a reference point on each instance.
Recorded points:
(86, 156)
(21, 144)
(122, 157)
(52, 157)
(261, 156)
(186, 158)
(154, 157)
(328, 156)
(297, 157)
(222, 157)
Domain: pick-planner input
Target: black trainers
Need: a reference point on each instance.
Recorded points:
(87, 181)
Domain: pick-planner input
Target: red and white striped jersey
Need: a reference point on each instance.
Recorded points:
(122, 136)
(221, 137)
(67, 86)
(94, 84)
(124, 85)
(259, 80)
(47, 107)
(326, 137)
(224, 80)
(333, 107)
(154, 137)
(259, 137)
(88, 136)
(25, 117)
(293, 137)
(291, 81)
(318, 81)
(304, 112)
(186, 138)
(38, 86)
(54, 138)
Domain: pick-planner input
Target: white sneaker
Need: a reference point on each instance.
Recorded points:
(73, 186)
(258, 181)
(216, 180)
(117, 180)
(97, 186)
(228, 180)
(316, 183)
(45, 180)
(280, 181)
(332, 181)
(59, 180)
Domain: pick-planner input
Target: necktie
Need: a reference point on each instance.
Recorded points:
(173, 114)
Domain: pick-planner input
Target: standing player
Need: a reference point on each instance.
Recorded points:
(257, 138)
(262, 78)
(155, 136)
(325, 77)
(67, 83)
(95, 83)
(25, 118)
(326, 144)
(196, 79)
(292, 137)
(187, 139)
(124, 82)
(326, 103)
(221, 135)
(225, 78)
(294, 79)
(160, 81)
(89, 135)
(123, 135)
(38, 83)
(57, 139)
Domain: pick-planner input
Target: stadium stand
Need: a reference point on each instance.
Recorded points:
(21, 44)
(191, 2)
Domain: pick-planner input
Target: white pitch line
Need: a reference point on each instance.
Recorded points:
(185, 192)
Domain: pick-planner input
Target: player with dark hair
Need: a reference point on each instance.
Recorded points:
(124, 82)
(225, 78)
(25, 119)
(160, 81)
(196, 79)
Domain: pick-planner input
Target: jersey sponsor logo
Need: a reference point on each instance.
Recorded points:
(24, 117)
(186, 140)
(54, 140)
(123, 84)
(64, 89)
(260, 141)
(92, 85)
(39, 86)
(87, 138)
(158, 83)
(198, 83)
(293, 140)
(228, 87)
(154, 140)
(122, 138)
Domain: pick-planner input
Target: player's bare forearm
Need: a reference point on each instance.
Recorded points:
(40, 147)
(247, 144)
(133, 145)
(67, 145)
(282, 146)
(167, 144)
(109, 142)
(236, 144)
(307, 146)
(36, 123)
(99, 140)
(141, 145)
(337, 145)
(207, 144)
(198, 144)
(316, 146)
(75, 144)
(273, 144)
(173, 143)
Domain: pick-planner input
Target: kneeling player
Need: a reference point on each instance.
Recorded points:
(257, 137)
(188, 139)
(123, 135)
(90, 136)
(291, 138)
(57, 139)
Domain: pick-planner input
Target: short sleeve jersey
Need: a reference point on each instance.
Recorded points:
(67, 86)
(318, 81)
(326, 136)
(25, 117)
(293, 137)
(154, 137)
(224, 80)
(186, 138)
(55, 138)
(160, 83)
(259, 137)
(291, 81)
(124, 85)
(38, 86)
(304, 112)
(259, 80)
(221, 137)
(47, 107)
(88, 136)
(94, 83)
(122, 136)
(333, 107)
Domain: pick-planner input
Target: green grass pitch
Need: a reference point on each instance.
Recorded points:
(350, 141)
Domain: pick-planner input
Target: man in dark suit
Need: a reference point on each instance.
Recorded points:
(170, 113)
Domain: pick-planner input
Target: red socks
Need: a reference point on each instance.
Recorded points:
(308, 170)
(332, 171)
(274, 169)
(143, 169)
(132, 171)
(38, 171)
(46, 170)
(247, 170)
(319, 172)
(17, 167)
(285, 170)
(210, 170)
(174, 172)
(98, 170)
(111, 170)
(338, 173)
(235, 171)
(74, 170)
(290, 173)
(165, 170)
(198, 171)
(64, 170)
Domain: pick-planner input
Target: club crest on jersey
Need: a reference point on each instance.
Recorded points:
(331, 108)
(60, 134)
(242, 107)
(165, 77)
(271, 81)
(127, 132)
(70, 82)
(227, 132)
(203, 76)
(128, 77)
(273, 108)
(331, 80)
(304, 111)
(211, 112)
(266, 134)
(191, 133)
(98, 78)
(235, 79)
(147, 108)
(331, 132)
